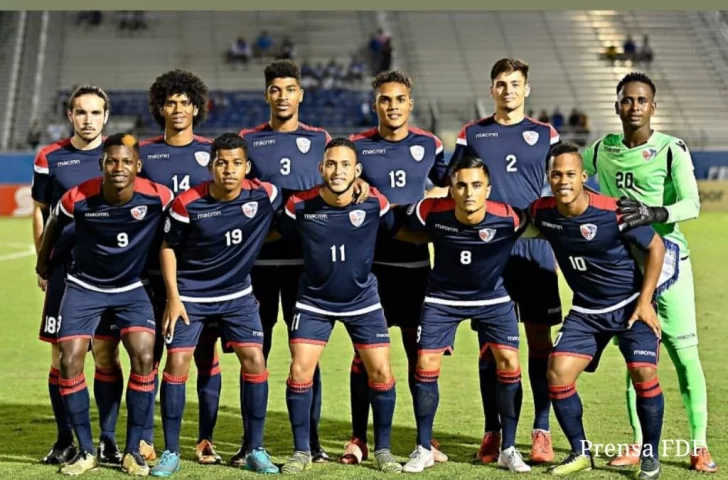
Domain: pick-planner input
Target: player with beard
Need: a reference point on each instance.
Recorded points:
(57, 168)
(179, 159)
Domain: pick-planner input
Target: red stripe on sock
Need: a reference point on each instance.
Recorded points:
(651, 393)
(109, 375)
(141, 383)
(54, 376)
(382, 387)
(646, 385)
(560, 392)
(509, 377)
(299, 387)
(72, 385)
(427, 376)
(166, 377)
(648, 389)
(356, 360)
(55, 372)
(257, 377)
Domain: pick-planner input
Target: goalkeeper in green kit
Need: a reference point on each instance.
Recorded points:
(652, 174)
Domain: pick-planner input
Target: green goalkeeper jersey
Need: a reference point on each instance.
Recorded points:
(659, 173)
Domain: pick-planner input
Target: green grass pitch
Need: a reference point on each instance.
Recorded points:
(27, 428)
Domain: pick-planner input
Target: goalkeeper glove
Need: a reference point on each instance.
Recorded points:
(636, 213)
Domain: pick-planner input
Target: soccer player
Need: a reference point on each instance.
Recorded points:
(515, 149)
(57, 168)
(472, 238)
(212, 237)
(179, 160)
(338, 237)
(399, 161)
(612, 297)
(654, 171)
(286, 153)
(116, 218)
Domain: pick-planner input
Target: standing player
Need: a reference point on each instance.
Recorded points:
(338, 238)
(178, 159)
(611, 297)
(57, 168)
(473, 238)
(286, 153)
(515, 149)
(398, 160)
(116, 217)
(213, 235)
(655, 172)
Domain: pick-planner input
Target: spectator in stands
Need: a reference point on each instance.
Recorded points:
(309, 78)
(92, 18)
(385, 56)
(33, 139)
(557, 119)
(629, 48)
(355, 73)
(574, 118)
(57, 131)
(611, 54)
(138, 126)
(132, 20)
(239, 52)
(582, 131)
(288, 49)
(544, 117)
(646, 55)
(263, 44)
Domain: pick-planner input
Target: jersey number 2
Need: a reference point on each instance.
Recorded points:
(511, 165)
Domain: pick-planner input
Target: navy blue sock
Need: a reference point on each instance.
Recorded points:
(383, 397)
(650, 410)
(173, 396)
(569, 412)
(509, 393)
(108, 388)
(139, 400)
(254, 401)
(148, 431)
(538, 362)
(63, 423)
(359, 395)
(409, 341)
(75, 396)
(488, 385)
(209, 383)
(299, 397)
(426, 402)
(316, 402)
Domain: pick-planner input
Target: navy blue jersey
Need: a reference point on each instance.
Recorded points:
(593, 251)
(400, 171)
(179, 168)
(288, 160)
(57, 168)
(516, 156)
(469, 259)
(112, 242)
(338, 251)
(217, 242)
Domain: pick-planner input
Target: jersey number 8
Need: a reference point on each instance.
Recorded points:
(466, 257)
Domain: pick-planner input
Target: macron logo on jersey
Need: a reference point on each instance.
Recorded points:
(551, 225)
(316, 216)
(96, 214)
(216, 213)
(374, 151)
(264, 143)
(68, 163)
(446, 228)
(157, 156)
(487, 135)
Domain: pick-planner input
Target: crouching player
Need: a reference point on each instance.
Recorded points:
(338, 245)
(212, 237)
(612, 297)
(473, 238)
(117, 218)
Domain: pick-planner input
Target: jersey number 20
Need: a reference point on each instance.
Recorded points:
(625, 180)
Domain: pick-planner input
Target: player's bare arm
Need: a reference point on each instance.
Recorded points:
(39, 211)
(644, 311)
(50, 236)
(174, 309)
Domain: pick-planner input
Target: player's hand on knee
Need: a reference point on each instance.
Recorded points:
(42, 283)
(174, 310)
(635, 213)
(644, 312)
(361, 190)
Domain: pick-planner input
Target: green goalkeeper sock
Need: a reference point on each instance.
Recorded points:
(693, 390)
(634, 420)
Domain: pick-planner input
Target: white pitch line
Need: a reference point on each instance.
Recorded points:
(12, 256)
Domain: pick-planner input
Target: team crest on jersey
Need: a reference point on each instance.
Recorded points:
(139, 212)
(649, 154)
(487, 234)
(250, 209)
(530, 137)
(167, 225)
(418, 152)
(303, 144)
(357, 217)
(203, 158)
(588, 231)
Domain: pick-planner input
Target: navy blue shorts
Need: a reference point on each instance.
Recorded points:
(81, 311)
(51, 320)
(532, 282)
(402, 293)
(580, 336)
(237, 320)
(497, 326)
(367, 330)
